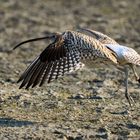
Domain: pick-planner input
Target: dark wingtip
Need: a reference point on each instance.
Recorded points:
(19, 80)
(28, 85)
(139, 80)
(34, 85)
(20, 87)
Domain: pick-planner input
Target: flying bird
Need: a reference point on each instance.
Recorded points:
(126, 57)
(70, 51)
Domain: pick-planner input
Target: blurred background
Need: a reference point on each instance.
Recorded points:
(89, 104)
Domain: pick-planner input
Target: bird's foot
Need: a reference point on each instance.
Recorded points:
(130, 99)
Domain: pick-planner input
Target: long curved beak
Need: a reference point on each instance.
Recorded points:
(51, 36)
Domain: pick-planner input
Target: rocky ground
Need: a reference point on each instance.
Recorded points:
(89, 104)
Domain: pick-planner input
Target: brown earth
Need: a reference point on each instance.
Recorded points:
(89, 104)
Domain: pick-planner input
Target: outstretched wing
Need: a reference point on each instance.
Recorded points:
(63, 56)
(53, 62)
(99, 36)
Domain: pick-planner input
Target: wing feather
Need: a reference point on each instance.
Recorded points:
(55, 61)
(99, 36)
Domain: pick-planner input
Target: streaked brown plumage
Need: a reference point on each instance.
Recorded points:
(71, 50)
(126, 57)
(66, 53)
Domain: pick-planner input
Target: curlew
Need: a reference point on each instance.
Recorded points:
(70, 51)
(126, 57)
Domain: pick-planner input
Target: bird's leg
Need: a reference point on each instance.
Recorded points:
(135, 73)
(123, 70)
(128, 97)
